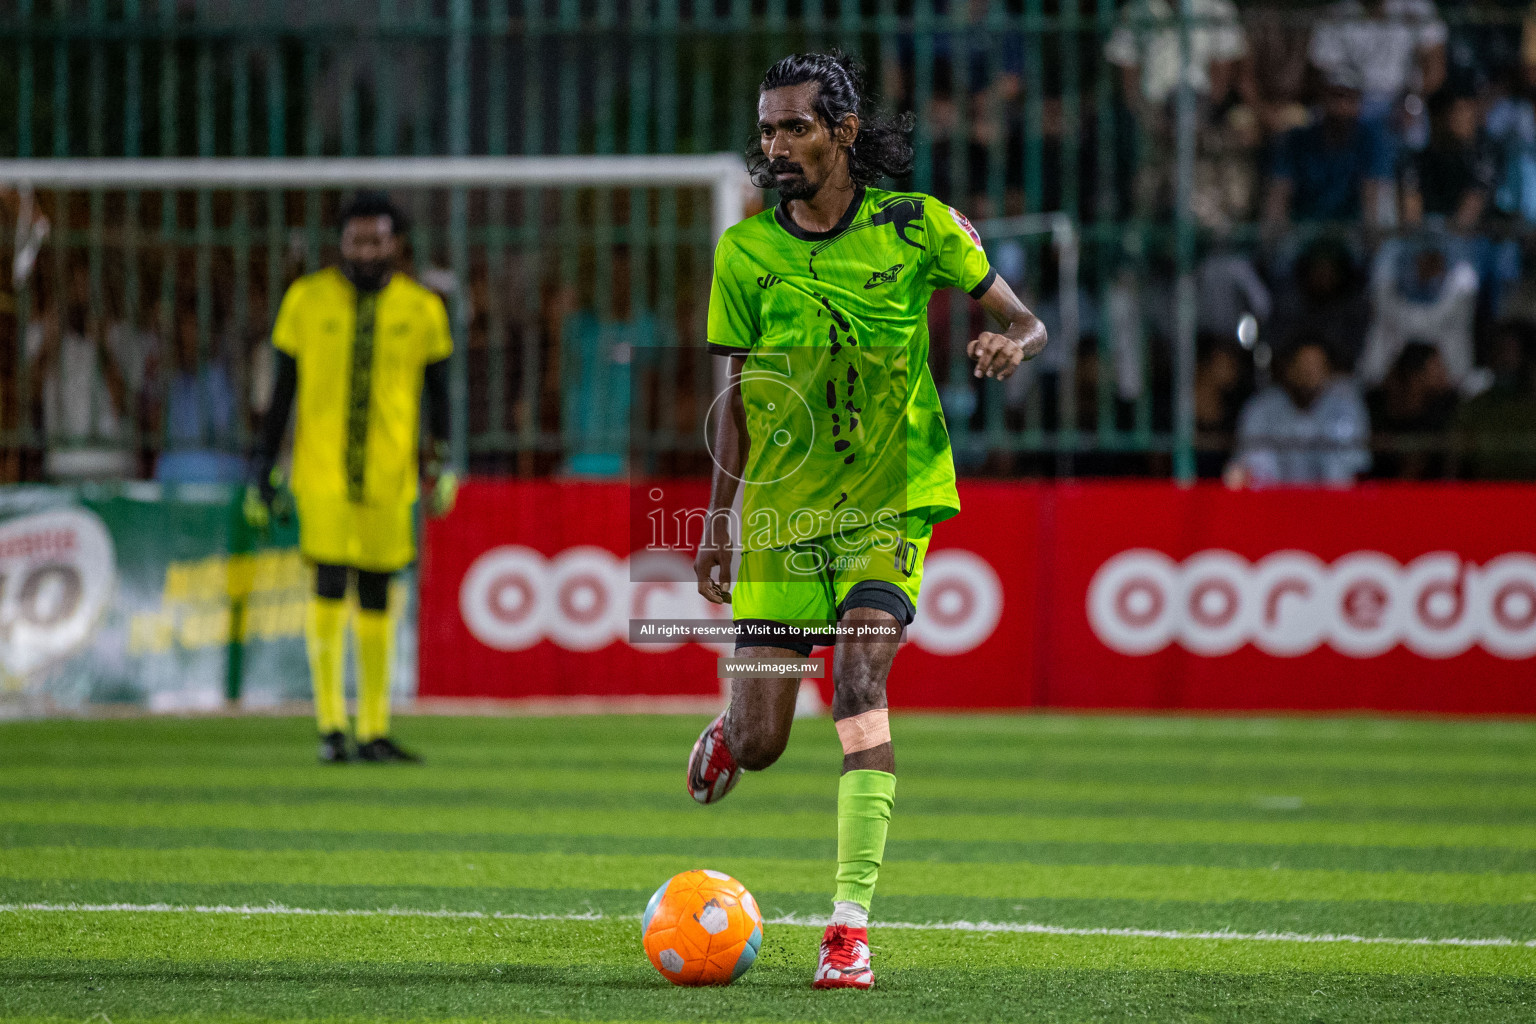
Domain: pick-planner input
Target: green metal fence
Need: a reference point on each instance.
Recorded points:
(1019, 113)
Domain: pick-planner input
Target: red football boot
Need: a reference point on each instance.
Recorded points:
(712, 771)
(844, 960)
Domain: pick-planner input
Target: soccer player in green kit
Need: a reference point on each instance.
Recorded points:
(832, 425)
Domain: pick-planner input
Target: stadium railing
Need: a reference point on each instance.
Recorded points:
(1030, 118)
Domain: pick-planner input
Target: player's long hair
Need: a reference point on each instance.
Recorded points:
(882, 149)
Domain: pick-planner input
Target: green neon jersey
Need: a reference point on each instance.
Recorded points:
(842, 412)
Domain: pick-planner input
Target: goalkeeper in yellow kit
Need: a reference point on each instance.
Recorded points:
(356, 346)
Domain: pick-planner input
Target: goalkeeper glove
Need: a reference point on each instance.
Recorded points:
(266, 501)
(442, 483)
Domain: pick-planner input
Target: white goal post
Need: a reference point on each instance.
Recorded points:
(723, 173)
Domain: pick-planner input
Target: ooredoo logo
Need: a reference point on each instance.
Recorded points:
(1290, 603)
(582, 599)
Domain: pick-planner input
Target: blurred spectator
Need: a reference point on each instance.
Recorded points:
(970, 50)
(1496, 431)
(1226, 185)
(1451, 185)
(1334, 169)
(1323, 298)
(1223, 382)
(1310, 428)
(76, 379)
(1449, 182)
(10, 422)
(1146, 46)
(140, 356)
(975, 89)
(1422, 290)
(1230, 288)
(395, 73)
(1510, 125)
(1042, 377)
(1273, 78)
(1126, 318)
(30, 230)
(1528, 38)
(1394, 48)
(248, 347)
(199, 409)
(1417, 399)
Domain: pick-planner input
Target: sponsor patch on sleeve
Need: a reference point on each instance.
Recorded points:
(965, 225)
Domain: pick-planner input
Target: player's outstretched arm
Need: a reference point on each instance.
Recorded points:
(1023, 337)
(713, 564)
(441, 482)
(261, 493)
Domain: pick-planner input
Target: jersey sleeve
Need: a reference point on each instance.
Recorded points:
(734, 322)
(957, 258)
(287, 331)
(439, 341)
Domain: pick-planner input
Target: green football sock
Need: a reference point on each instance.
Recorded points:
(864, 800)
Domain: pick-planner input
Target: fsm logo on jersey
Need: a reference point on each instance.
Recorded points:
(1291, 603)
(582, 599)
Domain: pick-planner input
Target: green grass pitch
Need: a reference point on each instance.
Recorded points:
(1146, 869)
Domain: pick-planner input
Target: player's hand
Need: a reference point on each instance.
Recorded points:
(442, 483)
(442, 494)
(267, 501)
(714, 555)
(996, 355)
(258, 513)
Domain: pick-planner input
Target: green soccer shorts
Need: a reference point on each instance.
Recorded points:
(807, 586)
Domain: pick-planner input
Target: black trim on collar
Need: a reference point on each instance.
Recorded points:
(717, 349)
(785, 221)
(985, 286)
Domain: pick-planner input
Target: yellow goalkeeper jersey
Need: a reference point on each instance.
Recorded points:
(360, 358)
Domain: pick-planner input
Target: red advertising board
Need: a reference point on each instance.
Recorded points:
(1112, 595)
(1402, 598)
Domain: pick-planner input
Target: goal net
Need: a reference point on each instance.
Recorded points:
(555, 269)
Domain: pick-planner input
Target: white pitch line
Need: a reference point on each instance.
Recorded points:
(1023, 928)
(278, 910)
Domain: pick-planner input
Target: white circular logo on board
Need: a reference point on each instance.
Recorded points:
(1507, 588)
(960, 603)
(1216, 618)
(1133, 601)
(57, 573)
(585, 596)
(502, 598)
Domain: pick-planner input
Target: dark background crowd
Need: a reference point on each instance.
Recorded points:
(1363, 189)
(1361, 197)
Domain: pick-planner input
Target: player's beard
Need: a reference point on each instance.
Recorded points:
(367, 275)
(796, 187)
(802, 189)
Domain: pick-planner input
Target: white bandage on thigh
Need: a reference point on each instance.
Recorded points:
(863, 732)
